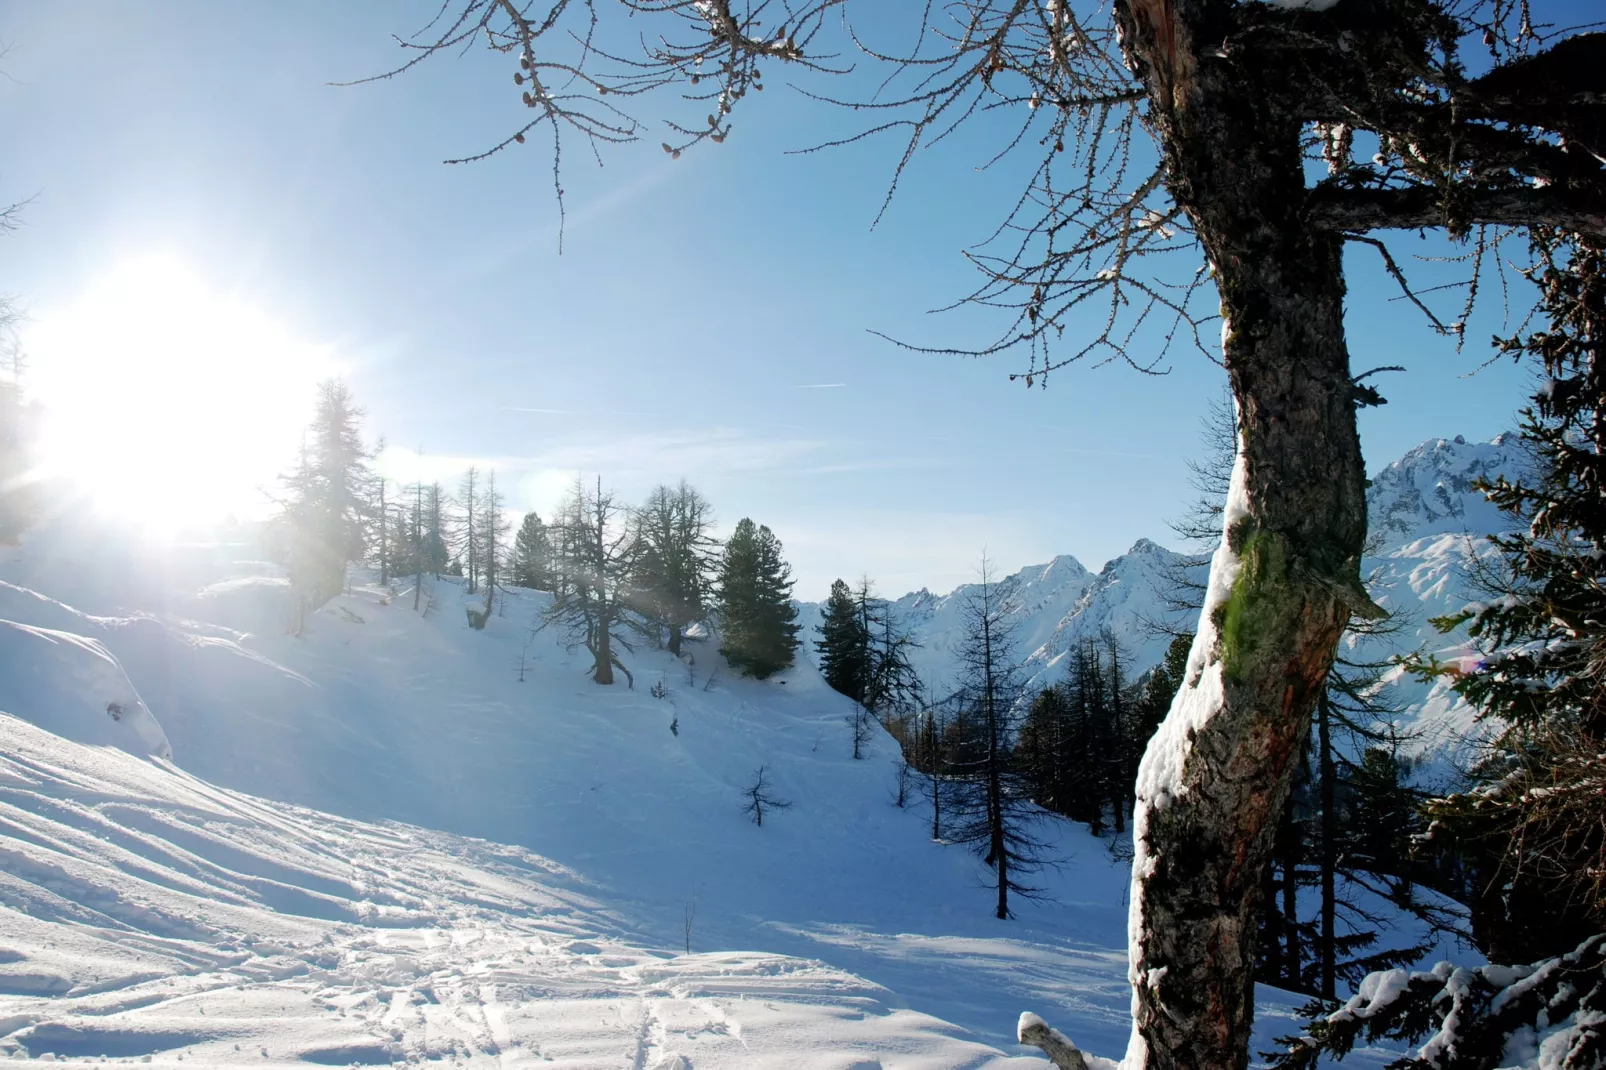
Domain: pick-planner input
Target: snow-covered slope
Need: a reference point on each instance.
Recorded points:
(154, 909)
(148, 913)
(149, 909)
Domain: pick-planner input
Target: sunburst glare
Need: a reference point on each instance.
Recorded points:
(167, 401)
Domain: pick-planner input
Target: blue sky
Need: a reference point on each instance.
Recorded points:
(709, 318)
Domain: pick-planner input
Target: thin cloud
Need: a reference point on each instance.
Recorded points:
(584, 412)
(817, 386)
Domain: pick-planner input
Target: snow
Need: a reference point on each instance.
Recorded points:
(374, 843)
(172, 910)
(1427, 527)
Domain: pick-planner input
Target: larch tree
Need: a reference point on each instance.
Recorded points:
(678, 557)
(597, 561)
(1180, 180)
(493, 529)
(469, 536)
(994, 811)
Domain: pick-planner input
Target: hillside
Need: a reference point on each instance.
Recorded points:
(139, 894)
(521, 859)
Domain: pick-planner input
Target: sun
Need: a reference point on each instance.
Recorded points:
(166, 402)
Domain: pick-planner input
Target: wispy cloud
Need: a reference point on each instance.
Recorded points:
(588, 413)
(817, 386)
(630, 461)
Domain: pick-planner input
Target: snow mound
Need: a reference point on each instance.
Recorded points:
(73, 686)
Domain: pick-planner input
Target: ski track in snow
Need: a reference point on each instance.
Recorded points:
(148, 914)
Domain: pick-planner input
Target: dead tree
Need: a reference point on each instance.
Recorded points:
(760, 799)
(1236, 99)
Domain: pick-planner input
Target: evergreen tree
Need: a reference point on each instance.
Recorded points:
(759, 633)
(1529, 832)
(1531, 827)
(434, 545)
(844, 644)
(531, 563)
(324, 506)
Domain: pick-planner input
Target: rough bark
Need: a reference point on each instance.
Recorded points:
(1285, 579)
(1419, 208)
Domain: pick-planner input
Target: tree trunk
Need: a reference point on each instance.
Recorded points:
(1293, 957)
(1285, 579)
(603, 650)
(1329, 950)
(674, 640)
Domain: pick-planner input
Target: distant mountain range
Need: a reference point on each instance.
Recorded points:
(1426, 524)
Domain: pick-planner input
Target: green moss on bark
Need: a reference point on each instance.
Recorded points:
(1254, 615)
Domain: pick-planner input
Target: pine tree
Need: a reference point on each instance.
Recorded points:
(531, 563)
(844, 644)
(325, 502)
(434, 544)
(759, 633)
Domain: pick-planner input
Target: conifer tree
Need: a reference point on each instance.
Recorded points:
(434, 545)
(759, 636)
(325, 502)
(418, 545)
(844, 644)
(893, 690)
(385, 538)
(531, 563)
(994, 810)
(468, 534)
(1531, 825)
(493, 528)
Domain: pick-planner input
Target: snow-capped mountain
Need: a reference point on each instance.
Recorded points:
(1427, 523)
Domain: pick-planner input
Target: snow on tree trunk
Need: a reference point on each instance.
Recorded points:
(1285, 578)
